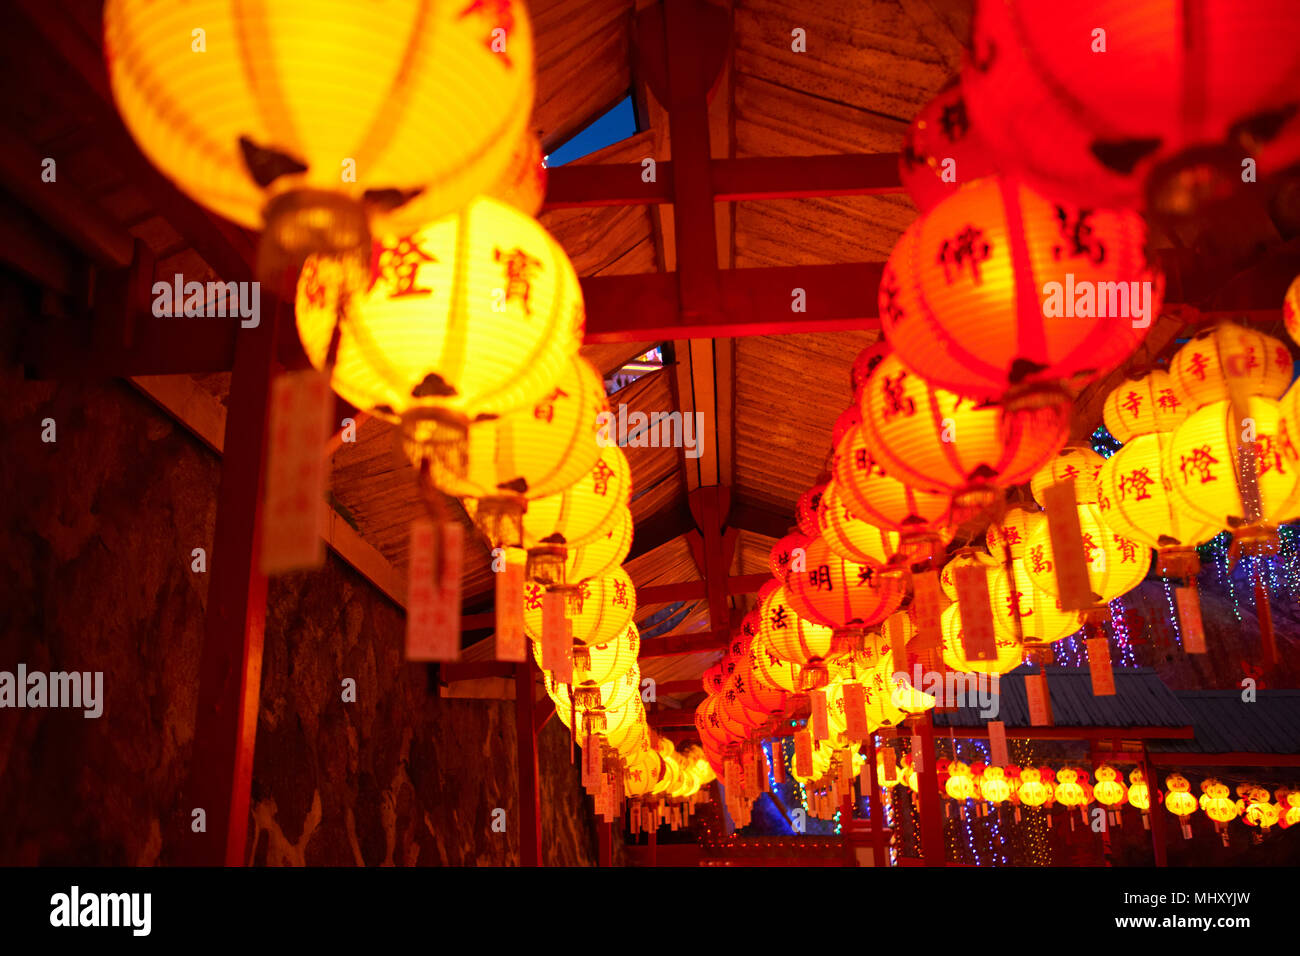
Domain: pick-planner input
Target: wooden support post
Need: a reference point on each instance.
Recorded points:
(876, 808)
(530, 801)
(1157, 812)
(230, 664)
(932, 838)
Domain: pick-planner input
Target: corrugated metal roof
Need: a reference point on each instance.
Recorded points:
(1225, 723)
(1141, 699)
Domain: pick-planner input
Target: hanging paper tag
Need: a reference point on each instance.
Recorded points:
(1103, 676)
(1189, 618)
(557, 637)
(1066, 535)
(927, 603)
(889, 761)
(510, 642)
(297, 471)
(918, 753)
(764, 784)
(854, 697)
(433, 608)
(998, 743)
(978, 641)
(846, 774)
(1040, 705)
(817, 720)
(803, 749)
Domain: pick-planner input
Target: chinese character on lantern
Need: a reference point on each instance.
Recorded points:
(897, 402)
(502, 17)
(397, 266)
(967, 247)
(1136, 482)
(1198, 463)
(546, 409)
(821, 575)
(521, 270)
(1077, 232)
(601, 475)
(1040, 562)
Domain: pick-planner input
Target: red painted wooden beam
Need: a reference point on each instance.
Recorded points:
(530, 800)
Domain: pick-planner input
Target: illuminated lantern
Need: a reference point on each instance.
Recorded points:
(1255, 363)
(840, 594)
(772, 670)
(1072, 788)
(784, 551)
(1033, 790)
(992, 294)
(599, 610)
(1075, 461)
(601, 556)
(1179, 801)
(965, 558)
(1290, 310)
(921, 518)
(1116, 564)
(715, 679)
(601, 663)
(1010, 653)
(1216, 803)
(625, 728)
(594, 699)
(960, 784)
(888, 777)
(474, 314)
(938, 441)
(1256, 810)
(1139, 794)
(845, 420)
(848, 536)
(1205, 464)
(739, 708)
(1143, 404)
(754, 694)
(940, 150)
(709, 724)
(1023, 611)
(419, 106)
(795, 639)
(1137, 503)
(864, 365)
(994, 786)
(907, 771)
(1010, 533)
(643, 774)
(1109, 789)
(1289, 805)
(878, 692)
(805, 509)
(1164, 121)
(523, 182)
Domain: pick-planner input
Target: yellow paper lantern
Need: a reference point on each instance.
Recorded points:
(1072, 788)
(1010, 653)
(1257, 811)
(1024, 611)
(1144, 404)
(771, 669)
(794, 639)
(1216, 803)
(644, 773)
(1109, 788)
(594, 697)
(1139, 794)
(1204, 462)
(601, 663)
(477, 313)
(994, 785)
(1010, 532)
(1289, 804)
(523, 182)
(849, 537)
(1116, 565)
(599, 610)
(960, 784)
(1074, 461)
(1178, 797)
(602, 555)
(1255, 363)
(313, 114)
(964, 558)
(1034, 791)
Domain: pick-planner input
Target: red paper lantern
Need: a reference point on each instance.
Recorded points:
(865, 364)
(840, 594)
(848, 536)
(1122, 103)
(1000, 294)
(805, 509)
(941, 151)
(785, 551)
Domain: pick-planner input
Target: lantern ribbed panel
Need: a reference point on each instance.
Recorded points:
(1042, 621)
(601, 555)
(844, 421)
(864, 364)
(1078, 462)
(839, 593)
(1109, 790)
(457, 331)
(1137, 497)
(877, 692)
(1010, 654)
(643, 774)
(881, 500)
(783, 552)
(1012, 531)
(583, 511)
(737, 705)
(1034, 791)
(1291, 310)
(787, 635)
(709, 724)
(1204, 461)
(522, 183)
(771, 669)
(941, 133)
(599, 610)
(847, 536)
(614, 693)
(415, 96)
(535, 451)
(965, 558)
(610, 660)
(1146, 404)
(1092, 125)
(805, 509)
(938, 441)
(755, 694)
(1116, 565)
(1260, 364)
(962, 301)
(625, 728)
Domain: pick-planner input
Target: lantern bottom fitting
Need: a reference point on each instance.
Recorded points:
(440, 436)
(593, 722)
(546, 564)
(1036, 396)
(1258, 540)
(813, 675)
(501, 519)
(1194, 179)
(924, 547)
(847, 640)
(581, 656)
(304, 222)
(1177, 562)
(974, 500)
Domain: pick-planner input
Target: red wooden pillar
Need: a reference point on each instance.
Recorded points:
(530, 800)
(932, 839)
(876, 808)
(230, 664)
(1156, 811)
